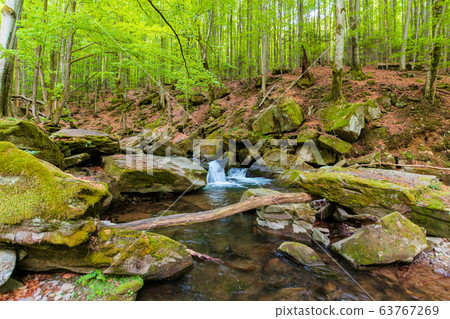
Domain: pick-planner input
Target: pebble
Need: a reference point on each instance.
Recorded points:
(37, 298)
(440, 271)
(27, 299)
(51, 295)
(67, 286)
(67, 297)
(44, 299)
(37, 293)
(58, 297)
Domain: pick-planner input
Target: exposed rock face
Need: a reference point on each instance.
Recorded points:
(373, 111)
(301, 254)
(345, 120)
(149, 174)
(289, 220)
(31, 188)
(28, 137)
(393, 239)
(115, 251)
(284, 117)
(378, 192)
(7, 264)
(310, 154)
(78, 141)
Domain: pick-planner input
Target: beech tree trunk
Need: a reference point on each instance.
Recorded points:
(264, 53)
(11, 13)
(438, 12)
(338, 65)
(405, 37)
(355, 61)
(201, 217)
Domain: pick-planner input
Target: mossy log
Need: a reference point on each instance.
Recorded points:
(206, 216)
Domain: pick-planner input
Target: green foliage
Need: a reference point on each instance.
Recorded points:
(92, 277)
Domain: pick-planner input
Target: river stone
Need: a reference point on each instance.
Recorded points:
(334, 144)
(320, 237)
(31, 188)
(115, 251)
(306, 135)
(7, 264)
(345, 120)
(301, 254)
(149, 174)
(28, 137)
(78, 141)
(286, 116)
(378, 192)
(393, 239)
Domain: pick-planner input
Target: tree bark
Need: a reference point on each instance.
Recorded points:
(355, 72)
(405, 37)
(336, 94)
(11, 12)
(206, 216)
(264, 52)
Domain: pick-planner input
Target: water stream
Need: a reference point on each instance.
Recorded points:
(237, 240)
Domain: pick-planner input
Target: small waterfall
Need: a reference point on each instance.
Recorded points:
(216, 173)
(237, 173)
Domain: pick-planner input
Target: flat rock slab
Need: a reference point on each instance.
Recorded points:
(7, 264)
(380, 192)
(78, 141)
(141, 173)
(301, 254)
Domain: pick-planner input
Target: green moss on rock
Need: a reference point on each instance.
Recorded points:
(334, 144)
(28, 137)
(345, 120)
(31, 188)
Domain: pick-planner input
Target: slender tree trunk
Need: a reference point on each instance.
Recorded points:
(438, 13)
(11, 12)
(355, 63)
(264, 52)
(336, 94)
(405, 36)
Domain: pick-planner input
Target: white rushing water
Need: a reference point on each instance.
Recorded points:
(236, 177)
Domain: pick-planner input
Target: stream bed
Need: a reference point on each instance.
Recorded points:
(237, 241)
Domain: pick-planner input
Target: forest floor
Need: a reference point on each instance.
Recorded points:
(415, 128)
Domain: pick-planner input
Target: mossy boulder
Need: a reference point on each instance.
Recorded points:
(78, 141)
(393, 239)
(286, 116)
(28, 137)
(301, 254)
(344, 120)
(372, 110)
(149, 174)
(223, 92)
(334, 144)
(114, 251)
(379, 192)
(75, 160)
(197, 99)
(311, 154)
(215, 111)
(306, 135)
(31, 188)
(7, 264)
(305, 82)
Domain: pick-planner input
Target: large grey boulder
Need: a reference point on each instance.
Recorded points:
(345, 120)
(393, 239)
(142, 173)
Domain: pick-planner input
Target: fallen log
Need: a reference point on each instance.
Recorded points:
(218, 213)
(204, 257)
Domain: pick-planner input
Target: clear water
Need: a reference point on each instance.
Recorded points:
(239, 242)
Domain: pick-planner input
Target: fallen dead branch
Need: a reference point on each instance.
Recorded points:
(206, 216)
(200, 256)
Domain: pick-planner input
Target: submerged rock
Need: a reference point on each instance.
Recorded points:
(393, 239)
(7, 264)
(284, 117)
(148, 174)
(28, 137)
(78, 141)
(31, 188)
(114, 251)
(378, 192)
(301, 254)
(345, 120)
